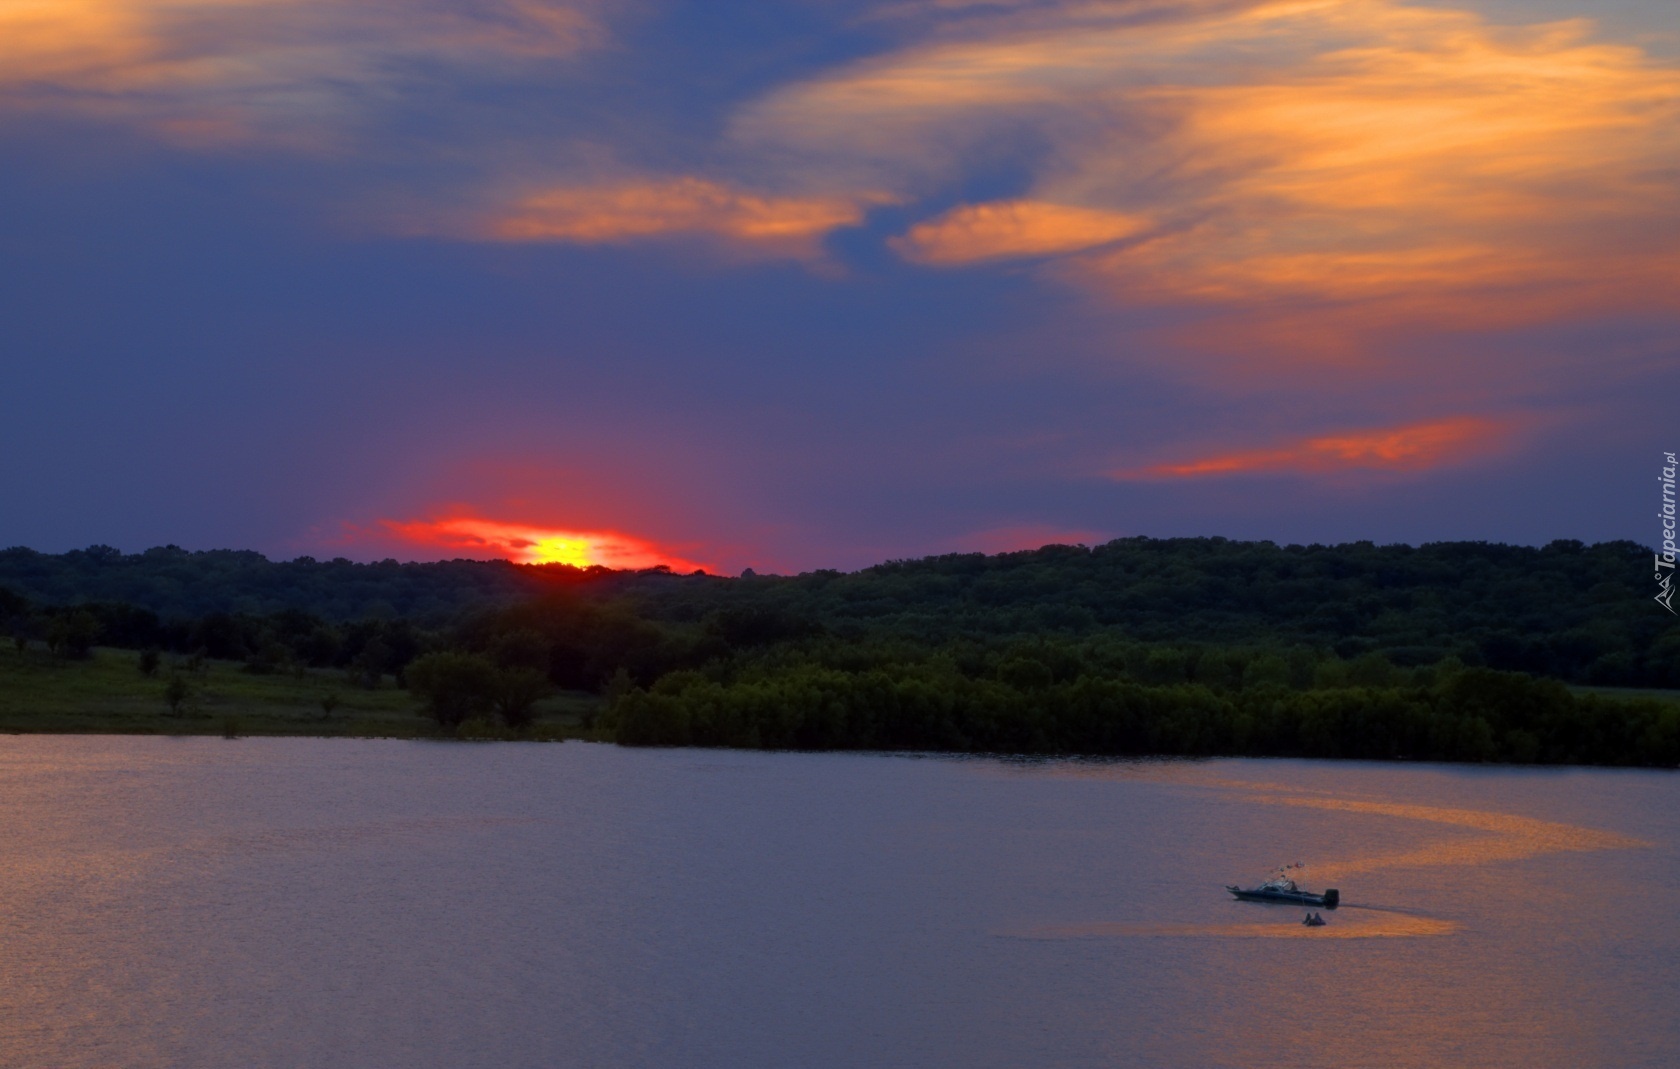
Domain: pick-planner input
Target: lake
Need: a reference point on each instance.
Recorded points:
(365, 903)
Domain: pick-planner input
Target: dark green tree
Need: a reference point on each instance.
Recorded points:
(15, 618)
(515, 694)
(453, 686)
(175, 693)
(521, 648)
(72, 634)
(370, 665)
(23, 629)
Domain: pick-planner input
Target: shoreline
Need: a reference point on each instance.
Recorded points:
(106, 694)
(1014, 757)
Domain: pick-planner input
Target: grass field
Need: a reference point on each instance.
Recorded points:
(107, 694)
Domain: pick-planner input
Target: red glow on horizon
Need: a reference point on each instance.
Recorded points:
(528, 544)
(1413, 447)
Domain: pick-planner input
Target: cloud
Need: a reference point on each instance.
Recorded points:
(1419, 164)
(227, 70)
(1409, 448)
(639, 209)
(473, 536)
(1012, 229)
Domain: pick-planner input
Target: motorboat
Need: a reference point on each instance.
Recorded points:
(1284, 886)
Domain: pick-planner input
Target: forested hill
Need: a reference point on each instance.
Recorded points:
(1565, 602)
(1566, 610)
(174, 582)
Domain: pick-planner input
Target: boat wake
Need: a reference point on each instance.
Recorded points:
(1474, 837)
(1351, 922)
(1505, 836)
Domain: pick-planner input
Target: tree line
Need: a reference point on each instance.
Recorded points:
(1580, 613)
(1456, 651)
(1016, 703)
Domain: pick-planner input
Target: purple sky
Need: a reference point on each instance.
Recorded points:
(816, 283)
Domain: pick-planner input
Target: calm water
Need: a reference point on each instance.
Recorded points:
(324, 903)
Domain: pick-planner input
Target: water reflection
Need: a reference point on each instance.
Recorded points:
(362, 905)
(1510, 837)
(1348, 922)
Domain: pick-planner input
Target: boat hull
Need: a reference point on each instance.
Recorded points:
(1328, 900)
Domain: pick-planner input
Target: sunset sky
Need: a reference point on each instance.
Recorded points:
(816, 283)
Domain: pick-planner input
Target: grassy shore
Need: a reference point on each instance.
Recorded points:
(108, 694)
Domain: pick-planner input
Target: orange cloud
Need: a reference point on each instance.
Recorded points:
(228, 69)
(1418, 163)
(524, 544)
(1413, 447)
(644, 208)
(1012, 229)
(1438, 159)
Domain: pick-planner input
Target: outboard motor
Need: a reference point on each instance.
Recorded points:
(1332, 898)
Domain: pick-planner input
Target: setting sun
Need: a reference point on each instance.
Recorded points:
(523, 544)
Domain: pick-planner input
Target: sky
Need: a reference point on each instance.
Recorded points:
(819, 283)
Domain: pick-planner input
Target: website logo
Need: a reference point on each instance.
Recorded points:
(1664, 561)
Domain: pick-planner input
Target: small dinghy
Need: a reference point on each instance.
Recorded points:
(1284, 886)
(1313, 920)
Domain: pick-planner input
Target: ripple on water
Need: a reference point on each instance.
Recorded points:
(1349, 922)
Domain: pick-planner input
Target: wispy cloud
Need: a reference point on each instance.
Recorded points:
(1408, 448)
(1005, 230)
(229, 70)
(1417, 161)
(639, 209)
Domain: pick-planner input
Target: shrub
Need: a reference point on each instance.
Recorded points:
(515, 691)
(176, 692)
(452, 686)
(72, 634)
